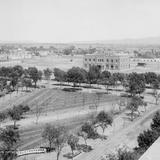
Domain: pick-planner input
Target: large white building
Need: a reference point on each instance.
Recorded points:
(107, 61)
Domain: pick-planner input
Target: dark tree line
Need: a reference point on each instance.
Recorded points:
(134, 83)
(11, 78)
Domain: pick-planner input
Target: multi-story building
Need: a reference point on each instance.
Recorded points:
(112, 62)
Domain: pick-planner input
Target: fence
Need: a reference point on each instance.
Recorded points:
(31, 151)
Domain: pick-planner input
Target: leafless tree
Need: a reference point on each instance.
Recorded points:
(38, 111)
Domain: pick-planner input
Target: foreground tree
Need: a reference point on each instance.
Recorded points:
(9, 139)
(104, 119)
(146, 139)
(15, 114)
(56, 136)
(3, 115)
(84, 135)
(134, 105)
(123, 154)
(155, 86)
(60, 139)
(155, 125)
(72, 142)
(48, 134)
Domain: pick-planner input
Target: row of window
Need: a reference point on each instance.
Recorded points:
(107, 66)
(146, 60)
(102, 60)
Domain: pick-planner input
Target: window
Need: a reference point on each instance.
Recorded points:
(116, 60)
(111, 60)
(112, 67)
(89, 59)
(107, 66)
(107, 60)
(94, 59)
(86, 59)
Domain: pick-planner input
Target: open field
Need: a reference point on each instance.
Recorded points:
(62, 62)
(65, 63)
(120, 134)
(74, 106)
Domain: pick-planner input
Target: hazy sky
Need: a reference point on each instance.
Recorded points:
(78, 20)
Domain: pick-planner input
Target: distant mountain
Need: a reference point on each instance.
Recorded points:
(131, 41)
(139, 41)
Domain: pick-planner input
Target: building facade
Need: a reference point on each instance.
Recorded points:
(110, 62)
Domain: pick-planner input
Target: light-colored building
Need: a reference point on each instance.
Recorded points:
(107, 61)
(19, 54)
(148, 62)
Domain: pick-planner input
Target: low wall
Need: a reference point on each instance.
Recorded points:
(31, 151)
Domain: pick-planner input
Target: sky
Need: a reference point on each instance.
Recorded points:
(78, 20)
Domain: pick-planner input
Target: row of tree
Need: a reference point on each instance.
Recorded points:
(78, 75)
(133, 83)
(57, 136)
(12, 78)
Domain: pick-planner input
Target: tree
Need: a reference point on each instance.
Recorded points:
(104, 119)
(2, 116)
(38, 111)
(93, 74)
(60, 75)
(150, 77)
(23, 108)
(146, 139)
(105, 79)
(9, 138)
(134, 105)
(72, 142)
(60, 138)
(27, 83)
(84, 135)
(34, 74)
(48, 134)
(15, 114)
(15, 74)
(47, 73)
(89, 129)
(105, 75)
(75, 75)
(136, 83)
(155, 85)
(155, 125)
(68, 50)
(123, 154)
